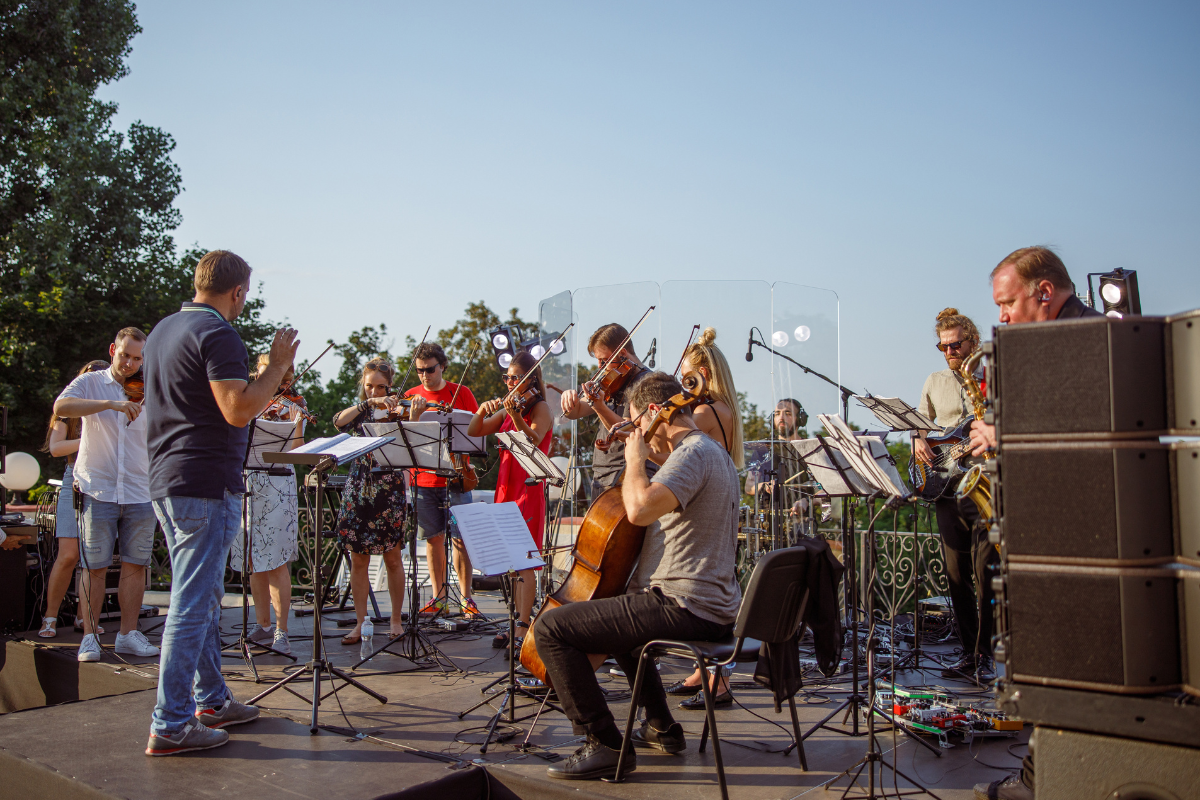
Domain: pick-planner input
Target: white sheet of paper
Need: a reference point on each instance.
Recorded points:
(496, 537)
(343, 447)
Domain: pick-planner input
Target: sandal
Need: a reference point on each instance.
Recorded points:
(351, 639)
(500, 641)
(79, 627)
(48, 630)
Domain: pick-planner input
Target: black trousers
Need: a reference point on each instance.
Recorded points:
(970, 564)
(619, 626)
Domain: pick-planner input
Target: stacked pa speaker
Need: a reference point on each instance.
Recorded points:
(1098, 501)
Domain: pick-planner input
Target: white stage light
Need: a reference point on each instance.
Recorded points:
(802, 333)
(779, 338)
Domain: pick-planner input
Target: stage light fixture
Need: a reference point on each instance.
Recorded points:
(504, 360)
(1118, 292)
(504, 340)
(500, 341)
(557, 347)
(779, 338)
(802, 333)
(537, 351)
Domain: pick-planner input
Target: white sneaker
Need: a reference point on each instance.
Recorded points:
(89, 648)
(135, 643)
(261, 635)
(281, 643)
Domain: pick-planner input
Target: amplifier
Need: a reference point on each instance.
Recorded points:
(1083, 766)
(1115, 629)
(1133, 377)
(1116, 501)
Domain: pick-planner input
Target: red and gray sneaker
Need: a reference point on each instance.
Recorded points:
(194, 736)
(231, 713)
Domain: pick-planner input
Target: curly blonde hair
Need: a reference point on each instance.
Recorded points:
(949, 319)
(704, 353)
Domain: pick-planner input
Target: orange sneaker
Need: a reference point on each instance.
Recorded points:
(434, 606)
(470, 610)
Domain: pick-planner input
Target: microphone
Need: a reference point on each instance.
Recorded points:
(653, 351)
(750, 346)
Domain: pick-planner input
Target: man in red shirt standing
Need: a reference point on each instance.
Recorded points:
(433, 517)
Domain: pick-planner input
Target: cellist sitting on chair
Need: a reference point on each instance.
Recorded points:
(684, 586)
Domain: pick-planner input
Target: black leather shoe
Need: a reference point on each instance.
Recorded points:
(696, 702)
(1010, 788)
(681, 689)
(964, 667)
(591, 762)
(669, 741)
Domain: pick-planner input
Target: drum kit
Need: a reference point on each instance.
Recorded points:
(784, 505)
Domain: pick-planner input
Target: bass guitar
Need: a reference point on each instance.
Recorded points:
(950, 461)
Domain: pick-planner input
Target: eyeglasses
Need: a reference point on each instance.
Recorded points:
(513, 378)
(951, 345)
(426, 370)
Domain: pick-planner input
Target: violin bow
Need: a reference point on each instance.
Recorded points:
(620, 347)
(296, 379)
(683, 355)
(410, 360)
(463, 377)
(538, 363)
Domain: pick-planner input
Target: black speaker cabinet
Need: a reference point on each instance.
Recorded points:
(1113, 629)
(1189, 625)
(1070, 765)
(1085, 376)
(1136, 502)
(1183, 364)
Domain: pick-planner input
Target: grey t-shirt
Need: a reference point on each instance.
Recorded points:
(689, 553)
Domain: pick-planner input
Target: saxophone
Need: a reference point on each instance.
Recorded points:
(975, 484)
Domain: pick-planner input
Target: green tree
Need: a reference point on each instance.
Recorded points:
(86, 211)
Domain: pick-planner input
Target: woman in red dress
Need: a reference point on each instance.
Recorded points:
(523, 409)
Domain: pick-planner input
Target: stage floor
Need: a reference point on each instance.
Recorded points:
(94, 747)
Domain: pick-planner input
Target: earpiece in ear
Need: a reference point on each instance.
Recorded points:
(1045, 298)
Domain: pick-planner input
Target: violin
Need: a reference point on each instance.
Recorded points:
(135, 390)
(607, 548)
(403, 409)
(610, 378)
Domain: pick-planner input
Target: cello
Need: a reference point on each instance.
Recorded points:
(607, 548)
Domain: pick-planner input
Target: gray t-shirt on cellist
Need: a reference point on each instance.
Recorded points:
(689, 553)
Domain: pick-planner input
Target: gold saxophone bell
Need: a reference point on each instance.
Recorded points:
(975, 484)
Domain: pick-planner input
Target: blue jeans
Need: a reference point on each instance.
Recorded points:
(198, 531)
(104, 524)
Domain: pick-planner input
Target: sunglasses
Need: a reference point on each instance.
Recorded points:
(513, 378)
(951, 345)
(425, 370)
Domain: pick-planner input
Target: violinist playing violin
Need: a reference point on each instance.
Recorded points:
(611, 406)
(433, 517)
(684, 586)
(524, 408)
(274, 524)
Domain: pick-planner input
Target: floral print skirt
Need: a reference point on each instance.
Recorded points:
(374, 509)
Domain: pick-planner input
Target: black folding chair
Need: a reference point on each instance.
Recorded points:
(770, 612)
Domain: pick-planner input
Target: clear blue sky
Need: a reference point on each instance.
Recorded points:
(391, 162)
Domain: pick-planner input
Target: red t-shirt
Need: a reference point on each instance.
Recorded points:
(465, 401)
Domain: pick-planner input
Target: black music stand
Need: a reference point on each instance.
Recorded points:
(866, 475)
(413, 445)
(321, 456)
(498, 539)
(262, 436)
(458, 442)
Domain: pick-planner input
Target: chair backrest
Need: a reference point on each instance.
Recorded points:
(775, 597)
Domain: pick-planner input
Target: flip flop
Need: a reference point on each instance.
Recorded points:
(351, 639)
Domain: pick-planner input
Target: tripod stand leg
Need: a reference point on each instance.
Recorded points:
(495, 720)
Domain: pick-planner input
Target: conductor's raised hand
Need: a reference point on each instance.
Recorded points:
(283, 348)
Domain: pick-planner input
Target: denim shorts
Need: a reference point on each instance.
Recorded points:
(64, 512)
(432, 519)
(106, 523)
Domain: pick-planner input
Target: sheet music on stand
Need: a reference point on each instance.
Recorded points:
(456, 422)
(861, 453)
(497, 538)
(339, 449)
(411, 444)
(536, 464)
(896, 414)
(267, 436)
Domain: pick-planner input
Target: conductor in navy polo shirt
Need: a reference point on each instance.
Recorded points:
(199, 402)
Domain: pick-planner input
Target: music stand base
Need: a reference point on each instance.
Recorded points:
(315, 668)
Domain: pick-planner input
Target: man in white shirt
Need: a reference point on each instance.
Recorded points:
(112, 472)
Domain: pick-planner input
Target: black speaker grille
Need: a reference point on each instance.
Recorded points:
(1059, 503)
(1054, 379)
(1066, 627)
